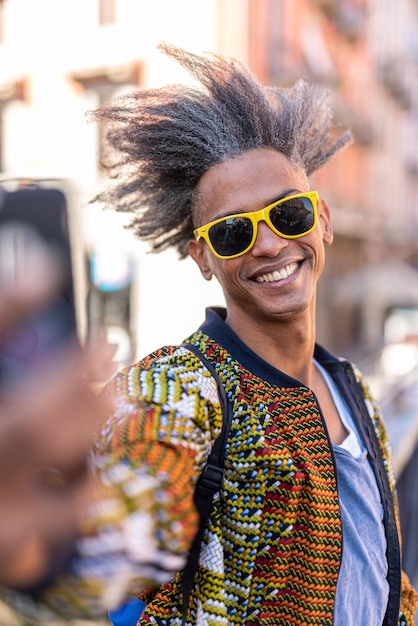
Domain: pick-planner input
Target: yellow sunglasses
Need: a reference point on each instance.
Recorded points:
(233, 235)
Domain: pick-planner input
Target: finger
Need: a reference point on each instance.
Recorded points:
(54, 424)
(26, 550)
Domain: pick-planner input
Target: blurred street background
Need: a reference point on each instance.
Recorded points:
(60, 59)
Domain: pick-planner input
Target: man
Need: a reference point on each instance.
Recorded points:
(307, 455)
(305, 527)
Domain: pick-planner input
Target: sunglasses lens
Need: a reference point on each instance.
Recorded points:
(231, 236)
(293, 217)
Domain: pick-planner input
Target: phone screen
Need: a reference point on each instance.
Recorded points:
(31, 218)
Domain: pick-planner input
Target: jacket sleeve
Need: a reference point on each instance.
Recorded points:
(408, 604)
(146, 460)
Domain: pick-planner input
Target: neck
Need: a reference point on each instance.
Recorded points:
(287, 345)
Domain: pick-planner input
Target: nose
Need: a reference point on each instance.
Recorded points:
(267, 243)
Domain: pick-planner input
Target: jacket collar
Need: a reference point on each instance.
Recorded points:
(215, 327)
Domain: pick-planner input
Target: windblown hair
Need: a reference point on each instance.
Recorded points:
(161, 141)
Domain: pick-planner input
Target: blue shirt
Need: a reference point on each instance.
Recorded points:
(362, 589)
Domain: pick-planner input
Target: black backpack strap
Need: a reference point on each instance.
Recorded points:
(209, 482)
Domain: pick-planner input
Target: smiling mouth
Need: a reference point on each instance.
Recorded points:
(277, 275)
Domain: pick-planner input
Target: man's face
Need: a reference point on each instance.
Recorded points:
(277, 277)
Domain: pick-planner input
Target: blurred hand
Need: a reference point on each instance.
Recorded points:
(47, 423)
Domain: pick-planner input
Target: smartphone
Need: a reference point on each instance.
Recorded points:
(35, 217)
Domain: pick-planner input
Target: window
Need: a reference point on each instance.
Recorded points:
(107, 12)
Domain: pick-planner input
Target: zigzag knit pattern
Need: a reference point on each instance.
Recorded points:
(272, 549)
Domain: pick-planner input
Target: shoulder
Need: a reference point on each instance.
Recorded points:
(168, 394)
(165, 373)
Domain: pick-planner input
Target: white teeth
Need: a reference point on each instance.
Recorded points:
(277, 274)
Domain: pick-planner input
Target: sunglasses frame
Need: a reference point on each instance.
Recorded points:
(263, 215)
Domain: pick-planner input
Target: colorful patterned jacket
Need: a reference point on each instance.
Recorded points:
(272, 548)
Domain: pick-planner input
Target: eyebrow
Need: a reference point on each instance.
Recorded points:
(281, 196)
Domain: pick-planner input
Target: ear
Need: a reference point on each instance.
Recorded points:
(324, 216)
(199, 253)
